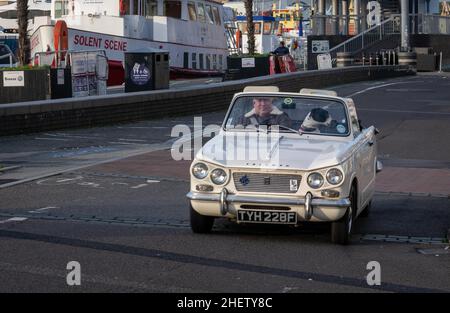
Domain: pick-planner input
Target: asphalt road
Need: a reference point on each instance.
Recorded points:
(118, 207)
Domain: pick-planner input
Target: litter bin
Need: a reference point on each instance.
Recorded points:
(60, 83)
(146, 70)
(161, 71)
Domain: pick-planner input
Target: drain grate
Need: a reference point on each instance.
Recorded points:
(404, 239)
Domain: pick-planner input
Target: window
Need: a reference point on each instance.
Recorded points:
(267, 28)
(209, 14)
(200, 59)
(220, 61)
(243, 27)
(172, 8)
(208, 61)
(200, 12)
(61, 8)
(194, 61)
(214, 62)
(257, 28)
(192, 11)
(216, 15)
(186, 60)
(151, 8)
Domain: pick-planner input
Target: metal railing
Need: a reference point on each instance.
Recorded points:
(386, 29)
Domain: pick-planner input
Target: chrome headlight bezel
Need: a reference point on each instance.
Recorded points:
(315, 176)
(337, 173)
(222, 174)
(196, 173)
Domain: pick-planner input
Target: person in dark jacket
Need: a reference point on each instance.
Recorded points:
(265, 113)
(281, 50)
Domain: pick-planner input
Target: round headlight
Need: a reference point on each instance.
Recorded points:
(315, 180)
(200, 170)
(334, 176)
(218, 176)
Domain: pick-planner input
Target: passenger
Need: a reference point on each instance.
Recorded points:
(316, 120)
(265, 113)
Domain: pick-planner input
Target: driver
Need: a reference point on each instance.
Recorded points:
(315, 120)
(265, 113)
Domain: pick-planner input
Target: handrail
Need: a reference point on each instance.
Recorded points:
(377, 29)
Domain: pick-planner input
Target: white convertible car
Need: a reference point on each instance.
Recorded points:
(285, 158)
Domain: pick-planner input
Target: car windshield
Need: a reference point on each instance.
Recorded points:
(289, 114)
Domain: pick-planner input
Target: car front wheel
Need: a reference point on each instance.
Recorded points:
(341, 230)
(200, 224)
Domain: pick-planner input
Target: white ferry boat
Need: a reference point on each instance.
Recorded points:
(191, 30)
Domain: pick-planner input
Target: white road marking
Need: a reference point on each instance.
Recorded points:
(151, 181)
(38, 211)
(139, 186)
(122, 143)
(371, 88)
(14, 219)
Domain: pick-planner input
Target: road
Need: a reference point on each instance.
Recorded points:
(117, 206)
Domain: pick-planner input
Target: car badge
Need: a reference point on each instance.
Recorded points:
(244, 180)
(266, 180)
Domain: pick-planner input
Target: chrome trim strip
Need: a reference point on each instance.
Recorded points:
(343, 203)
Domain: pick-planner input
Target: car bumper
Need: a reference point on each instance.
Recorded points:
(308, 208)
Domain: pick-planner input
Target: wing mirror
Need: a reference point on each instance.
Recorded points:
(376, 131)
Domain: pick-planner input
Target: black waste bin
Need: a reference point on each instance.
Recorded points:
(60, 83)
(161, 70)
(146, 70)
(139, 71)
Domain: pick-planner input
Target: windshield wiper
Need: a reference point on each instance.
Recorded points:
(291, 129)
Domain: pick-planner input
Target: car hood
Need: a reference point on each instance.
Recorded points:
(287, 151)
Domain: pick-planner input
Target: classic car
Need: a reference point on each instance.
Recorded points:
(286, 158)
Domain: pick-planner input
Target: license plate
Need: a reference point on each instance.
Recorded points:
(268, 217)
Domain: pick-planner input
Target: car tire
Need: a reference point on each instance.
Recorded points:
(200, 224)
(341, 230)
(366, 211)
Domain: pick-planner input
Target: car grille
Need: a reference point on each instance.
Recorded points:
(265, 182)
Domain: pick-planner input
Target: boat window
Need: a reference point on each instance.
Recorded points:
(186, 60)
(216, 15)
(267, 28)
(135, 7)
(257, 28)
(243, 27)
(192, 11)
(209, 14)
(172, 9)
(220, 61)
(194, 61)
(200, 59)
(151, 8)
(201, 12)
(61, 8)
(208, 61)
(214, 61)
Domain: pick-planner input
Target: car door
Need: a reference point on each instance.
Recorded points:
(364, 158)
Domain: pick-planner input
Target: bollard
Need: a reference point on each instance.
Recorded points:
(376, 59)
(407, 58)
(344, 59)
(389, 57)
(370, 59)
(363, 59)
(440, 62)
